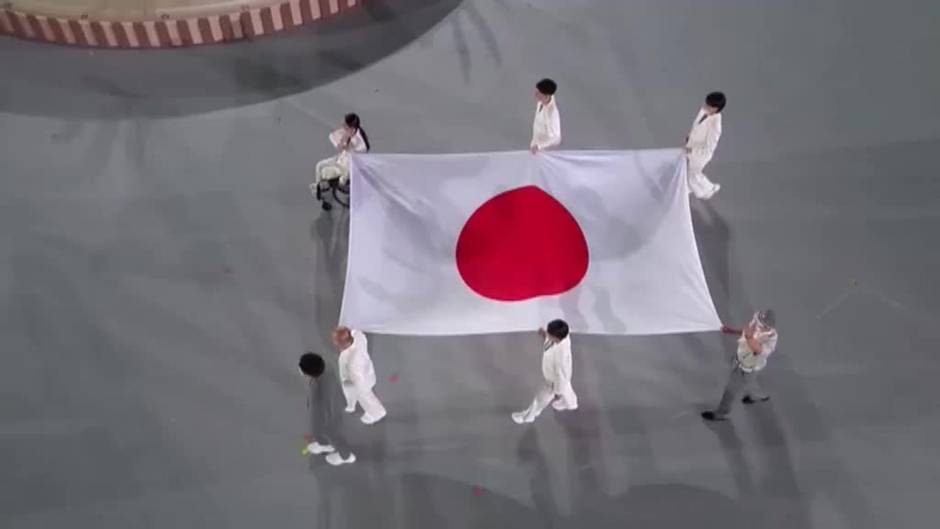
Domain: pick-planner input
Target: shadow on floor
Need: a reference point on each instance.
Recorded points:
(62, 81)
(350, 497)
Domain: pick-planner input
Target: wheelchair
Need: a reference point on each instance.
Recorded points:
(339, 190)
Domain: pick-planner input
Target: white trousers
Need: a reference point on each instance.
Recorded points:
(549, 392)
(360, 392)
(331, 169)
(699, 184)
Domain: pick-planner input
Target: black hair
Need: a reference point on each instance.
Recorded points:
(547, 87)
(352, 121)
(767, 317)
(312, 364)
(716, 100)
(557, 329)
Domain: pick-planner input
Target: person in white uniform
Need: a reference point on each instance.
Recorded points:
(349, 138)
(357, 374)
(556, 369)
(757, 342)
(546, 127)
(701, 143)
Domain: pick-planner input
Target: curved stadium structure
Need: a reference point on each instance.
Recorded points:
(140, 24)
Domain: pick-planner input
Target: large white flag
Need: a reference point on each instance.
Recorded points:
(501, 242)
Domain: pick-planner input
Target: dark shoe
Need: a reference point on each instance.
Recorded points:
(319, 193)
(712, 416)
(326, 205)
(748, 400)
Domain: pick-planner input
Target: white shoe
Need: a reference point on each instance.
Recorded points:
(350, 409)
(370, 420)
(559, 405)
(336, 460)
(317, 448)
(520, 417)
(708, 195)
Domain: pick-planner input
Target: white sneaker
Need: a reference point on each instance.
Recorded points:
(559, 405)
(706, 195)
(350, 409)
(370, 420)
(317, 448)
(336, 460)
(711, 193)
(520, 417)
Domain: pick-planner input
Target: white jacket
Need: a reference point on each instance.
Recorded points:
(556, 362)
(747, 360)
(703, 139)
(355, 364)
(356, 144)
(546, 127)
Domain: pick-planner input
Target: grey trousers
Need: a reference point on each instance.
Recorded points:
(738, 383)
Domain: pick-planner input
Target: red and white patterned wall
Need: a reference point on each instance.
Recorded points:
(238, 23)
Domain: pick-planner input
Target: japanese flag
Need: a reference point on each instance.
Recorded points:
(500, 242)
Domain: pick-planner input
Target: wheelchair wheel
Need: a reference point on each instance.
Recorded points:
(341, 193)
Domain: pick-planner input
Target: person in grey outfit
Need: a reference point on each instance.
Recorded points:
(757, 342)
(324, 404)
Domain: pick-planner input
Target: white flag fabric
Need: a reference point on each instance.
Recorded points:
(501, 242)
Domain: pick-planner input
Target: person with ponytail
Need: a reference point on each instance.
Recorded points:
(349, 138)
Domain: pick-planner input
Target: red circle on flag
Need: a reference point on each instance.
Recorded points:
(520, 245)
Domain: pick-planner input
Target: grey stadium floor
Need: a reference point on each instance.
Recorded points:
(163, 265)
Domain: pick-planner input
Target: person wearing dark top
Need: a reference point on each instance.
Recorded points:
(324, 404)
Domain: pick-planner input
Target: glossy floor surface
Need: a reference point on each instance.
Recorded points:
(162, 265)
